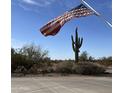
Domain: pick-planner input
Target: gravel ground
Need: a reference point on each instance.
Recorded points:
(62, 84)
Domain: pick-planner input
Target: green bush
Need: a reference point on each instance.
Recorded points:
(20, 60)
(27, 56)
(88, 68)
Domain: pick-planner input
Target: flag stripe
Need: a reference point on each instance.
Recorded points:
(51, 23)
(55, 31)
(53, 26)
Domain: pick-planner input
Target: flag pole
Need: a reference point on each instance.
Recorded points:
(97, 14)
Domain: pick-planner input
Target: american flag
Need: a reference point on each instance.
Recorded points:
(54, 26)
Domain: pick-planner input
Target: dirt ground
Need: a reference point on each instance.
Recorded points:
(61, 84)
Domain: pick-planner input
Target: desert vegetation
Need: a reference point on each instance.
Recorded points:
(32, 59)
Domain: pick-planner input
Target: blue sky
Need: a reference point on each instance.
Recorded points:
(28, 16)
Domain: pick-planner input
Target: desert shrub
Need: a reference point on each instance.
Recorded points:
(33, 69)
(33, 52)
(46, 68)
(20, 60)
(27, 56)
(49, 69)
(83, 56)
(37, 69)
(42, 68)
(64, 67)
(106, 63)
(21, 69)
(88, 68)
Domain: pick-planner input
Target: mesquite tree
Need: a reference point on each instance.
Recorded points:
(76, 45)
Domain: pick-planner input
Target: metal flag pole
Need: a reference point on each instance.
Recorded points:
(98, 14)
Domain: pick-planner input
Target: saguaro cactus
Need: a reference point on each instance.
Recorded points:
(76, 44)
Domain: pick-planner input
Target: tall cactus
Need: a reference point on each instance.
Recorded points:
(76, 44)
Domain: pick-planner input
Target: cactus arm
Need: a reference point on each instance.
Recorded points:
(72, 39)
(73, 43)
(81, 42)
(73, 47)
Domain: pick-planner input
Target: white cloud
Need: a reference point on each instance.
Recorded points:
(39, 3)
(33, 5)
(29, 1)
(24, 7)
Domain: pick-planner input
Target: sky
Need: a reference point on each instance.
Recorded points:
(28, 16)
